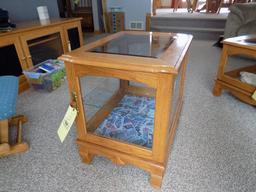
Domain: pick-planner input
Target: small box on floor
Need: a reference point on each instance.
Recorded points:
(46, 75)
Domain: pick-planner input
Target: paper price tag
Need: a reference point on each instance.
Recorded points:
(66, 123)
(254, 95)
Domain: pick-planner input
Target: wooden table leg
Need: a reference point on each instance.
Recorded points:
(4, 149)
(217, 89)
(156, 180)
(223, 61)
(123, 84)
(87, 157)
(19, 133)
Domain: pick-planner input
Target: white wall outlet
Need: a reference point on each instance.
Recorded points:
(136, 25)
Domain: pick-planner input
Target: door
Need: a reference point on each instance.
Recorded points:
(13, 61)
(43, 44)
(82, 8)
(74, 36)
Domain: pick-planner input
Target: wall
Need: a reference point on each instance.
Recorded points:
(135, 10)
(23, 10)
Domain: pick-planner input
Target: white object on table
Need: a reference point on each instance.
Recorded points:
(43, 13)
(249, 78)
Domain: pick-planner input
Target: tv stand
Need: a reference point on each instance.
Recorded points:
(32, 42)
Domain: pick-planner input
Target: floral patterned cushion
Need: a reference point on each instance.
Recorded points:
(8, 96)
(131, 121)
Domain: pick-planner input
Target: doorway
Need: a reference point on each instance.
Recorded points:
(78, 8)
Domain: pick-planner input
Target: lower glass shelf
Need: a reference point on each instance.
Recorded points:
(131, 121)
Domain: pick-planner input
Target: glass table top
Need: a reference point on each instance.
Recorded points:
(146, 45)
(250, 40)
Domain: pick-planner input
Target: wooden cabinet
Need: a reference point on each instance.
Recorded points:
(32, 42)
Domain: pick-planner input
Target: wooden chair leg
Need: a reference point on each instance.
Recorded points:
(18, 148)
(5, 147)
(19, 133)
(220, 6)
(194, 5)
(16, 119)
(176, 5)
(189, 6)
(4, 136)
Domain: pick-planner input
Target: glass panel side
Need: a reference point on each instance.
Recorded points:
(241, 68)
(126, 117)
(44, 48)
(175, 97)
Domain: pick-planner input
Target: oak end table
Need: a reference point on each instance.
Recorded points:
(137, 124)
(242, 46)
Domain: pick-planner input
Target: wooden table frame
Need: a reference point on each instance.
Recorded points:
(160, 79)
(227, 80)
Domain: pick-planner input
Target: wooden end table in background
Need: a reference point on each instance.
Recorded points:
(157, 60)
(244, 46)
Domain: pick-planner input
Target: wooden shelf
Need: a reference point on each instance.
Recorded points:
(43, 41)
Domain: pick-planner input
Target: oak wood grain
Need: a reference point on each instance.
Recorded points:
(229, 80)
(158, 74)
